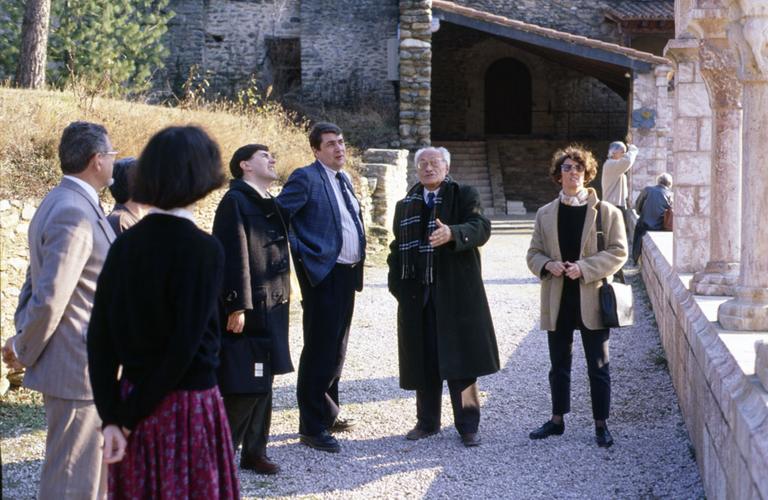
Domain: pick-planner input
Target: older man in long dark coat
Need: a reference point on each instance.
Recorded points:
(444, 325)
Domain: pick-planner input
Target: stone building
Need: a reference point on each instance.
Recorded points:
(502, 83)
(708, 282)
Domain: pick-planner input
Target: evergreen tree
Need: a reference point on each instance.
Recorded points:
(112, 46)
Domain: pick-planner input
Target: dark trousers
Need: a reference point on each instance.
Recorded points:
(249, 416)
(465, 399)
(328, 311)
(595, 344)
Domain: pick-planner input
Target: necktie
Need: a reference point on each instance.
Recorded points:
(351, 209)
(430, 200)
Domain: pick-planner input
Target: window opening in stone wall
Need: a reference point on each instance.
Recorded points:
(508, 102)
(284, 57)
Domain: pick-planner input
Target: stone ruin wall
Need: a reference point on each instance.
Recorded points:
(343, 46)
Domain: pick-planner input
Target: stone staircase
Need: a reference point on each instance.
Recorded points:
(469, 165)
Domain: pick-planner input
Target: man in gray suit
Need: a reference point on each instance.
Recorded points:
(69, 237)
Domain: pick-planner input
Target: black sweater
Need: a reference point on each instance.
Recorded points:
(570, 224)
(155, 314)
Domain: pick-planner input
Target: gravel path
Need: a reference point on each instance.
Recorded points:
(652, 457)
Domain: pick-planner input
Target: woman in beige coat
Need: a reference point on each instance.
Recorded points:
(564, 255)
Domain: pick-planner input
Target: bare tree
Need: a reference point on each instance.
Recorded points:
(30, 72)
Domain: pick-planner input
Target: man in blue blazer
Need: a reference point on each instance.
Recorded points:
(328, 244)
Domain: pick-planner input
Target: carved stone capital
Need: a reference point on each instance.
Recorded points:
(682, 50)
(718, 68)
(748, 33)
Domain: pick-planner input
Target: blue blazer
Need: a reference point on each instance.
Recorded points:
(310, 203)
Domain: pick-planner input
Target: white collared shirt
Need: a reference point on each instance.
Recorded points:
(350, 242)
(427, 191)
(88, 188)
(176, 212)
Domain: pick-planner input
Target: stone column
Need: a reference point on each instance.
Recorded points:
(748, 310)
(718, 67)
(691, 152)
(415, 72)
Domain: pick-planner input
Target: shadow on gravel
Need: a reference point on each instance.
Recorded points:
(350, 392)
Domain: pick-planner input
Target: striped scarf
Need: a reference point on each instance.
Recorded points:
(415, 251)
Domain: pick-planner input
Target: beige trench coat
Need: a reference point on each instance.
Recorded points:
(545, 246)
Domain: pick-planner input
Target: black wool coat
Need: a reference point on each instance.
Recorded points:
(466, 341)
(254, 235)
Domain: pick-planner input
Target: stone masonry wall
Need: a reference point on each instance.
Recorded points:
(388, 168)
(343, 45)
(725, 412)
(525, 168)
(14, 255)
(692, 133)
(344, 51)
(565, 103)
(226, 38)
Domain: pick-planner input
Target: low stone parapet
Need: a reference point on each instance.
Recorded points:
(724, 405)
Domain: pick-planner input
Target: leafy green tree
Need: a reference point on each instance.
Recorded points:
(109, 46)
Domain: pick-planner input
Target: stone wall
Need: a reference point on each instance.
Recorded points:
(343, 45)
(725, 411)
(565, 103)
(692, 133)
(387, 168)
(225, 39)
(344, 51)
(525, 168)
(14, 256)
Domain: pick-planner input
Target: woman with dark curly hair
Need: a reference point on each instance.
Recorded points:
(564, 255)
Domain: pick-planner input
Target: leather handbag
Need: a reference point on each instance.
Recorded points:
(616, 307)
(669, 217)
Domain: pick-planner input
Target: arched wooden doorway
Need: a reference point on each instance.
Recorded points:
(508, 100)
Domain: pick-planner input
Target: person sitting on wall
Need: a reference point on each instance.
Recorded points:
(126, 212)
(651, 204)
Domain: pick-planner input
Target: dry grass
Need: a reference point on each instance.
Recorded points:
(33, 121)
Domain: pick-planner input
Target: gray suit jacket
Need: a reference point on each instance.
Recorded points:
(69, 237)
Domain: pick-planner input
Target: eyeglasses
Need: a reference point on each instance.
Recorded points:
(112, 153)
(576, 167)
(434, 163)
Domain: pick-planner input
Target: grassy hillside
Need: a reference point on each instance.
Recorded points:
(32, 122)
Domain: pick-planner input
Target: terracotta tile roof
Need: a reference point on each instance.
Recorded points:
(471, 13)
(637, 10)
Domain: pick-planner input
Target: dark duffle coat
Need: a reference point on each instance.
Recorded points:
(254, 235)
(466, 342)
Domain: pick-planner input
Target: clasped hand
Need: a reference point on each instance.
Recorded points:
(557, 268)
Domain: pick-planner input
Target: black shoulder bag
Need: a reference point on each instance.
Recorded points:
(615, 298)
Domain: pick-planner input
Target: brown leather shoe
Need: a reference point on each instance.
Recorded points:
(261, 465)
(415, 434)
(471, 439)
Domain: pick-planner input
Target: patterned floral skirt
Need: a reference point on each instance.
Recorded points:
(182, 450)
